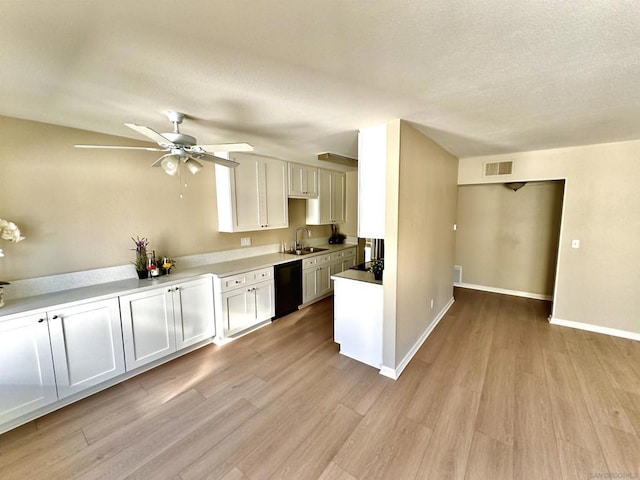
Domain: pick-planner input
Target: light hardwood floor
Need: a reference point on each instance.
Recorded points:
(495, 393)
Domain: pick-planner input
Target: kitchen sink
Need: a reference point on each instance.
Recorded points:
(307, 250)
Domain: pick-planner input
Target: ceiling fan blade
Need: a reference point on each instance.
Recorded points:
(227, 147)
(123, 147)
(212, 158)
(152, 134)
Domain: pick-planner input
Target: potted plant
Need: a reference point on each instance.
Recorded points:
(8, 231)
(141, 257)
(377, 266)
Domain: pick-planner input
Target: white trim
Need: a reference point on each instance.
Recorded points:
(388, 372)
(595, 328)
(504, 291)
(395, 373)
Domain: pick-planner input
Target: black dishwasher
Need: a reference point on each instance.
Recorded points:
(288, 287)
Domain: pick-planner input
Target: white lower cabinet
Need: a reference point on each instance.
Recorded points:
(246, 307)
(316, 277)
(147, 326)
(358, 320)
(243, 301)
(26, 367)
(193, 311)
(86, 341)
(158, 322)
(317, 271)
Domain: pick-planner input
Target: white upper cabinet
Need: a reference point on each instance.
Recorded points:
(303, 181)
(252, 196)
(372, 164)
(329, 207)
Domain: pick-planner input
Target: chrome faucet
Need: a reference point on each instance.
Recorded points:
(297, 244)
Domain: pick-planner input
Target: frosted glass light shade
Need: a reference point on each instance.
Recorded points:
(170, 165)
(193, 166)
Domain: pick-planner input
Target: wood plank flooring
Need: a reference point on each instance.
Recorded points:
(494, 393)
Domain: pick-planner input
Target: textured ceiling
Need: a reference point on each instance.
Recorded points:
(299, 77)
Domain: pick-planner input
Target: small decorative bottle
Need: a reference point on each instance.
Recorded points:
(153, 266)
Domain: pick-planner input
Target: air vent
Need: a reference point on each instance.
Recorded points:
(457, 274)
(498, 168)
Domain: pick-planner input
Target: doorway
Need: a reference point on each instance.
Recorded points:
(507, 238)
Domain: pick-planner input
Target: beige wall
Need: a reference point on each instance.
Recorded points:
(598, 283)
(508, 239)
(419, 242)
(79, 208)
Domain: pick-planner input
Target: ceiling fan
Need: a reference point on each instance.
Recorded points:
(182, 148)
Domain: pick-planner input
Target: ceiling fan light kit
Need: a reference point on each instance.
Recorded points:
(170, 165)
(193, 165)
(183, 148)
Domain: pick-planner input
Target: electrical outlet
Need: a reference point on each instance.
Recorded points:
(245, 241)
(575, 243)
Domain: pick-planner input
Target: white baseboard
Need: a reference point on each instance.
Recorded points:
(504, 291)
(596, 329)
(389, 372)
(395, 373)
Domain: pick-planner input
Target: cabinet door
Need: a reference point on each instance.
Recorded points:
(193, 310)
(336, 267)
(338, 197)
(238, 310)
(348, 263)
(27, 381)
(147, 326)
(329, 207)
(311, 182)
(310, 287)
(246, 194)
(265, 301)
(324, 279)
(324, 195)
(274, 205)
(86, 342)
(303, 181)
(296, 172)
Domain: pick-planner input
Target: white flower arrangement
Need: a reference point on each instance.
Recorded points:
(9, 231)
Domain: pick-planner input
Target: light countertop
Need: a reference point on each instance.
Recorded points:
(102, 291)
(356, 275)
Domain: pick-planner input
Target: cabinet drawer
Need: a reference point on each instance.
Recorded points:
(316, 261)
(261, 275)
(309, 262)
(247, 278)
(343, 254)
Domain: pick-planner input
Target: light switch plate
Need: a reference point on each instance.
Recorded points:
(575, 243)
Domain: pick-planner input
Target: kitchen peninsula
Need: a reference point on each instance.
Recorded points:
(358, 316)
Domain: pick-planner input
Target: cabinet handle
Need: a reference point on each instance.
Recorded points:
(40, 320)
(176, 289)
(54, 317)
(169, 290)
